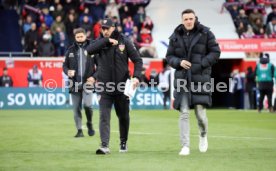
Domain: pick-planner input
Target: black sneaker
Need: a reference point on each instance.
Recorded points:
(79, 134)
(91, 132)
(123, 147)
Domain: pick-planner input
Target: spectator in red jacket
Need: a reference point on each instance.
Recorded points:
(145, 35)
(97, 29)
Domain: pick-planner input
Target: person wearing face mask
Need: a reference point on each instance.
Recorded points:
(113, 51)
(192, 51)
(79, 67)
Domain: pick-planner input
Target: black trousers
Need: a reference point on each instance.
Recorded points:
(78, 99)
(238, 99)
(166, 96)
(268, 93)
(252, 99)
(121, 104)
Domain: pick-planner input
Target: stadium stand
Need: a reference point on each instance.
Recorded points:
(10, 33)
(253, 19)
(260, 16)
(46, 27)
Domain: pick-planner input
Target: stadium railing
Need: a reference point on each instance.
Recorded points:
(16, 54)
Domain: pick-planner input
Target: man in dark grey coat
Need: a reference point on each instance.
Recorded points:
(79, 66)
(192, 51)
(113, 51)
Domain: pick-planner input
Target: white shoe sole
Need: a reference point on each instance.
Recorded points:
(203, 151)
(122, 151)
(186, 154)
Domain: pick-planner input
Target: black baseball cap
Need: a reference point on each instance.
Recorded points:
(107, 23)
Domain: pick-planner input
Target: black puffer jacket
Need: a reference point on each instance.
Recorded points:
(203, 51)
(71, 63)
(112, 61)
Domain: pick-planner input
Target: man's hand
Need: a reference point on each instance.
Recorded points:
(71, 73)
(185, 64)
(135, 82)
(113, 42)
(90, 80)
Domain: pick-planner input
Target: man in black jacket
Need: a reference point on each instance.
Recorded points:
(192, 51)
(250, 87)
(5, 79)
(113, 51)
(79, 66)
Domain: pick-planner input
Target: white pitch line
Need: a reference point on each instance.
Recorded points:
(234, 137)
(210, 136)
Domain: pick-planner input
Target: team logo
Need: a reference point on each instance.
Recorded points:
(122, 47)
(85, 52)
(71, 55)
(104, 21)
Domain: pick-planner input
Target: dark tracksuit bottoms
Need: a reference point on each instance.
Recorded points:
(121, 104)
(86, 98)
(82, 95)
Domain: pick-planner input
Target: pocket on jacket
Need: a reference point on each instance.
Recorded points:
(202, 88)
(207, 71)
(182, 74)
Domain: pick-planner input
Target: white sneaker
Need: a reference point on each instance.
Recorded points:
(203, 144)
(185, 151)
(103, 150)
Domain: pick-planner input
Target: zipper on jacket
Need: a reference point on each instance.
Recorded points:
(81, 64)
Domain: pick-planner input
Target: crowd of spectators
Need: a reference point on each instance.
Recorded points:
(253, 18)
(48, 25)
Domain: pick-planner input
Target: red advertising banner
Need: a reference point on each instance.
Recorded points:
(247, 45)
(52, 69)
(18, 69)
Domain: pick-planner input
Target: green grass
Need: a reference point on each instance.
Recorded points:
(43, 140)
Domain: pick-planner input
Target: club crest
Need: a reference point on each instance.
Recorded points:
(122, 47)
(71, 55)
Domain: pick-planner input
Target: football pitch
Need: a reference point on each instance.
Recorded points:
(41, 140)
